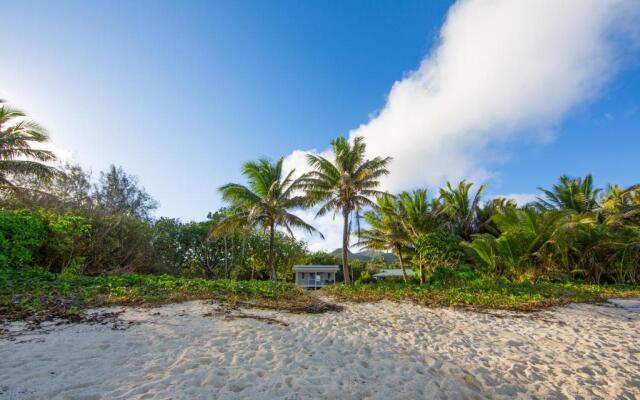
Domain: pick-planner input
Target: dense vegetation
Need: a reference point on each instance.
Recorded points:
(64, 235)
(35, 294)
(462, 287)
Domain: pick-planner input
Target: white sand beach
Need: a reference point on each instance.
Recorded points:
(369, 351)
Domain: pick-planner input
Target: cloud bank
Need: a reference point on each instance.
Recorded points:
(501, 70)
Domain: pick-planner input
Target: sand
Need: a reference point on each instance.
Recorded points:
(369, 351)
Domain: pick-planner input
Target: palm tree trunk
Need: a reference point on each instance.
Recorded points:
(243, 257)
(404, 273)
(226, 258)
(271, 258)
(345, 248)
(422, 277)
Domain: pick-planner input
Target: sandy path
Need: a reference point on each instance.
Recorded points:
(369, 351)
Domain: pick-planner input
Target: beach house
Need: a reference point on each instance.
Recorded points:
(315, 276)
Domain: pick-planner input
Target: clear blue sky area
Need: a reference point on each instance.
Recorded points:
(181, 93)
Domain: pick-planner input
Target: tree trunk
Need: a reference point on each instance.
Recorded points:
(271, 258)
(243, 256)
(233, 255)
(345, 248)
(226, 258)
(404, 273)
(422, 277)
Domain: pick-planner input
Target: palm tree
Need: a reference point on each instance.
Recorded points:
(266, 202)
(460, 208)
(348, 184)
(418, 216)
(575, 194)
(491, 208)
(386, 231)
(17, 156)
(622, 204)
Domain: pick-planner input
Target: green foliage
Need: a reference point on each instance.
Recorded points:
(266, 202)
(18, 158)
(33, 291)
(74, 269)
(365, 277)
(445, 275)
(67, 236)
(118, 243)
(39, 237)
(386, 230)
(461, 207)
(439, 248)
(119, 193)
(468, 291)
(321, 258)
(22, 234)
(576, 194)
(345, 185)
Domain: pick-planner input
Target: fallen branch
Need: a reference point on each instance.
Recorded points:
(227, 313)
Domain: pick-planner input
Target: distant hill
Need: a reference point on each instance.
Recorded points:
(366, 255)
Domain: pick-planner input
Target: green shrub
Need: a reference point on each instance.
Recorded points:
(40, 237)
(66, 239)
(22, 234)
(74, 269)
(365, 277)
(438, 248)
(453, 276)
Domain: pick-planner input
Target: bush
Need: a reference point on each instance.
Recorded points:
(365, 277)
(119, 243)
(66, 239)
(453, 276)
(40, 237)
(438, 248)
(22, 234)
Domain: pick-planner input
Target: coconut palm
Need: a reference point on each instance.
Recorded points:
(528, 237)
(266, 202)
(622, 204)
(461, 208)
(17, 156)
(347, 184)
(488, 210)
(385, 231)
(575, 194)
(418, 216)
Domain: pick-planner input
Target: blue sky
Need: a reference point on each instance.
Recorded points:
(180, 94)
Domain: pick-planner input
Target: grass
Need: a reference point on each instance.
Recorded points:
(33, 293)
(482, 293)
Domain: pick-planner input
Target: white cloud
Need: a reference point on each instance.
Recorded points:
(520, 198)
(502, 69)
(331, 229)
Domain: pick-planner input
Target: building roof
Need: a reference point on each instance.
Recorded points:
(315, 268)
(392, 273)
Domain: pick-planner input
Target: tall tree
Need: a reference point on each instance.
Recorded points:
(120, 193)
(575, 194)
(347, 185)
(461, 207)
(418, 216)
(18, 157)
(385, 231)
(266, 202)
